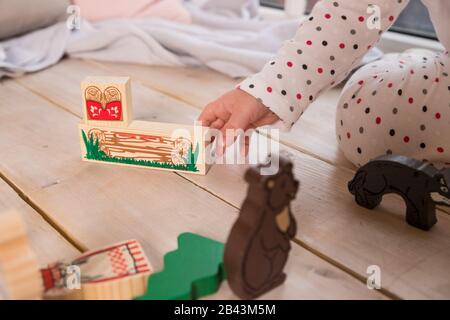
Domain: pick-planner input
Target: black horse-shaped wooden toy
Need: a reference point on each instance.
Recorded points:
(420, 184)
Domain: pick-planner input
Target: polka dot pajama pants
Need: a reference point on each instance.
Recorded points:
(398, 105)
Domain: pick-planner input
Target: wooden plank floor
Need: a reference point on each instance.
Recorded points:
(93, 205)
(45, 241)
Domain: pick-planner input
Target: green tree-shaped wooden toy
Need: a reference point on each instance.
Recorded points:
(192, 271)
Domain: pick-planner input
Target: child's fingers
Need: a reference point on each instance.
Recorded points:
(218, 124)
(231, 130)
(207, 116)
(213, 112)
(245, 146)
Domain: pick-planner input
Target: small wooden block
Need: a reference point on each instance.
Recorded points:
(19, 270)
(118, 272)
(107, 101)
(160, 146)
(192, 271)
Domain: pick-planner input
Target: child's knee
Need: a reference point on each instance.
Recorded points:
(394, 106)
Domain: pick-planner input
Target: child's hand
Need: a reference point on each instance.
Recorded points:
(236, 110)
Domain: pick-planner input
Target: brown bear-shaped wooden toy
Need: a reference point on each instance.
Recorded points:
(258, 246)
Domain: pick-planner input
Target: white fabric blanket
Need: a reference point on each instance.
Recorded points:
(226, 36)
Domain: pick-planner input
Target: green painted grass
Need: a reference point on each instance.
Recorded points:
(93, 152)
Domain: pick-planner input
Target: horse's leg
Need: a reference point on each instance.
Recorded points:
(421, 214)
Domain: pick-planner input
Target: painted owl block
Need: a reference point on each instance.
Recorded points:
(107, 101)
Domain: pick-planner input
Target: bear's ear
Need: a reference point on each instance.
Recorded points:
(288, 167)
(251, 176)
(285, 165)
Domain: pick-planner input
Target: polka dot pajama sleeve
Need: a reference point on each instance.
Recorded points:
(332, 40)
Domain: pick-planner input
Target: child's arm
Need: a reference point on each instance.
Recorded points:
(334, 38)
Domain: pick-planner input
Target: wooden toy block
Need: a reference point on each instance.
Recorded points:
(258, 245)
(118, 272)
(153, 145)
(19, 270)
(419, 183)
(193, 271)
(107, 101)
(160, 146)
